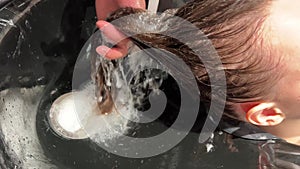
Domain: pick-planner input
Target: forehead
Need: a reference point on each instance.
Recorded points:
(285, 25)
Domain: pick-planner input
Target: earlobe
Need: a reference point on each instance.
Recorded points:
(265, 114)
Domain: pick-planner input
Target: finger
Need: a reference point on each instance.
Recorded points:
(111, 53)
(121, 48)
(110, 31)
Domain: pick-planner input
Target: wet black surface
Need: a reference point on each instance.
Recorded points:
(40, 48)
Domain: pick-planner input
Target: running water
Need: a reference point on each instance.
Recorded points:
(78, 114)
(107, 102)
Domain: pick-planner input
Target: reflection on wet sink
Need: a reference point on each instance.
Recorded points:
(18, 109)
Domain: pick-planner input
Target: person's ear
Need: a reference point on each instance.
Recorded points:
(263, 114)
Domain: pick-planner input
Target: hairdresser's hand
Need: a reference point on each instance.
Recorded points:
(104, 8)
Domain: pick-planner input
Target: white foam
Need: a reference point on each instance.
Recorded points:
(68, 119)
(63, 118)
(209, 147)
(102, 127)
(18, 109)
(76, 116)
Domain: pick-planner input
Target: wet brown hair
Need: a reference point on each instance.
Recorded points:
(238, 32)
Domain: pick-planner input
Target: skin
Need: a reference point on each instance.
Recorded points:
(104, 8)
(279, 116)
(285, 24)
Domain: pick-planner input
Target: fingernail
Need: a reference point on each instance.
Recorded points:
(102, 50)
(100, 24)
